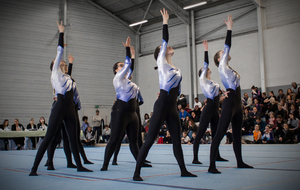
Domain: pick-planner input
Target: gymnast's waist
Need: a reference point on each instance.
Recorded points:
(121, 105)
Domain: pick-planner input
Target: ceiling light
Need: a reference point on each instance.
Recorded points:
(138, 23)
(195, 5)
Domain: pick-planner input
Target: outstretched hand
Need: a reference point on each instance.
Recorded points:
(60, 26)
(205, 44)
(165, 15)
(71, 58)
(229, 22)
(127, 42)
(132, 51)
(225, 93)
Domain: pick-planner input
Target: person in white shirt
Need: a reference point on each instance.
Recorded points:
(106, 133)
(197, 103)
(97, 123)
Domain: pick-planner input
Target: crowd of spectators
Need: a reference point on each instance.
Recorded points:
(268, 119)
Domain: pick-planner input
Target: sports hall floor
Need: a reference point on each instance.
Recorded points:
(276, 167)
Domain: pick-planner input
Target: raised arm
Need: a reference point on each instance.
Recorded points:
(71, 60)
(122, 73)
(60, 48)
(229, 23)
(132, 62)
(206, 62)
(165, 39)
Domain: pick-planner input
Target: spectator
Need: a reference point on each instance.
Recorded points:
(284, 105)
(191, 128)
(281, 112)
(272, 105)
(264, 103)
(257, 105)
(194, 117)
(185, 138)
(229, 138)
(293, 123)
(163, 130)
(247, 102)
(106, 133)
(247, 121)
(167, 138)
(31, 127)
(183, 114)
(272, 120)
(262, 124)
(278, 132)
(97, 122)
(295, 87)
(197, 111)
(255, 92)
(85, 123)
(197, 103)
(289, 102)
(146, 119)
(5, 127)
(185, 123)
(297, 99)
(257, 138)
(182, 101)
(268, 137)
(281, 95)
(89, 136)
(18, 127)
(193, 138)
(187, 108)
(271, 95)
(294, 110)
(42, 126)
(279, 123)
(254, 114)
(151, 114)
(287, 135)
(289, 92)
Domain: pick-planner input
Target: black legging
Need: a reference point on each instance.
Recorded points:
(231, 112)
(140, 141)
(67, 150)
(123, 117)
(63, 110)
(210, 114)
(165, 109)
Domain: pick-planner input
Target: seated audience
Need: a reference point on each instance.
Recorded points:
(281, 112)
(287, 136)
(295, 88)
(279, 122)
(272, 105)
(268, 137)
(280, 96)
(262, 124)
(194, 117)
(146, 119)
(197, 103)
(272, 120)
(182, 101)
(290, 93)
(257, 105)
(31, 127)
(246, 101)
(191, 128)
(18, 127)
(85, 123)
(5, 127)
(294, 111)
(42, 126)
(167, 138)
(89, 136)
(183, 114)
(193, 138)
(185, 138)
(106, 133)
(257, 138)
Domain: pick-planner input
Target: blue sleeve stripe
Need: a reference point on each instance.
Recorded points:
(130, 89)
(172, 77)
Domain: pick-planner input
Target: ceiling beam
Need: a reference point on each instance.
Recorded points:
(145, 15)
(112, 15)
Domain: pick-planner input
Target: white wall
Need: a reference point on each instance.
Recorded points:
(282, 49)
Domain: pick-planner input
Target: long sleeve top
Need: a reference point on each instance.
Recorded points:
(209, 88)
(125, 89)
(61, 82)
(229, 78)
(169, 77)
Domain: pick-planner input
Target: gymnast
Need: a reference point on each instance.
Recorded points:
(123, 115)
(165, 108)
(63, 109)
(140, 101)
(210, 113)
(57, 139)
(231, 106)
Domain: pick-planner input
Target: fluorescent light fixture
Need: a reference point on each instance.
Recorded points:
(195, 5)
(138, 23)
